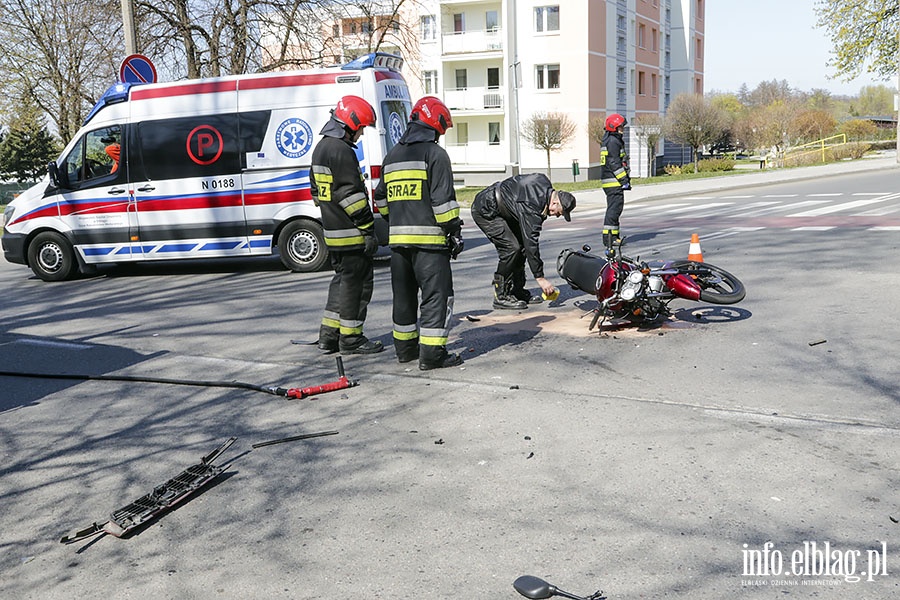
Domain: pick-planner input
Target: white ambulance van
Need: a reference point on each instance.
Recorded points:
(200, 168)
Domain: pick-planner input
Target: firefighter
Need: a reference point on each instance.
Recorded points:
(511, 213)
(338, 190)
(614, 176)
(417, 197)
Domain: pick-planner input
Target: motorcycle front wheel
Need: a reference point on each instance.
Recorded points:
(717, 286)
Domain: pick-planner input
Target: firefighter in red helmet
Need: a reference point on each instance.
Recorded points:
(417, 197)
(614, 175)
(338, 190)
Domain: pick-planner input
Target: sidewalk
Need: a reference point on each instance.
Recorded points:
(881, 161)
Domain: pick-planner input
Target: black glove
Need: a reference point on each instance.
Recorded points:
(371, 245)
(456, 244)
(626, 186)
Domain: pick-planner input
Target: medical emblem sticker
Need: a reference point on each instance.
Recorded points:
(294, 138)
(395, 127)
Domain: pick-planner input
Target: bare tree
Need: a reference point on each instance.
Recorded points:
(649, 130)
(548, 132)
(693, 121)
(60, 54)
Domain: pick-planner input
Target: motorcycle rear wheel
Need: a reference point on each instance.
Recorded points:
(717, 286)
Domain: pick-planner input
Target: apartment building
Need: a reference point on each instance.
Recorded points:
(500, 63)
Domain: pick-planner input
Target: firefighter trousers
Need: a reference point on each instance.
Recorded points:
(423, 337)
(348, 300)
(615, 202)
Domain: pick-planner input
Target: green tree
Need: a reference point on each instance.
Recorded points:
(875, 101)
(812, 125)
(692, 120)
(859, 129)
(28, 146)
(864, 33)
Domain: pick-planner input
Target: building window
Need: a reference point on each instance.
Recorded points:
(699, 43)
(459, 22)
(494, 134)
(546, 18)
(642, 90)
(546, 77)
(640, 35)
(462, 133)
(462, 79)
(654, 87)
(429, 82)
(429, 31)
(654, 40)
(491, 23)
(336, 30)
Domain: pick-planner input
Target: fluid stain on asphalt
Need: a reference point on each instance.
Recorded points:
(570, 323)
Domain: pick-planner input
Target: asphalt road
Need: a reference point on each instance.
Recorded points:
(649, 462)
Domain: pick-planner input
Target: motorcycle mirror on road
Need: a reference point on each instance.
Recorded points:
(536, 589)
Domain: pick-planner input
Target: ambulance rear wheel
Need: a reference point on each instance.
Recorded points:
(51, 257)
(302, 246)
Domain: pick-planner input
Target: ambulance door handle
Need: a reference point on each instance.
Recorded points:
(116, 191)
(146, 188)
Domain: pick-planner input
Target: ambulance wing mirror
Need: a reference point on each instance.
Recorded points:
(53, 172)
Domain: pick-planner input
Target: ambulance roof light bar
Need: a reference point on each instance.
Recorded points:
(375, 59)
(117, 92)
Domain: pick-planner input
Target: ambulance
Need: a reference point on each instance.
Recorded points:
(200, 168)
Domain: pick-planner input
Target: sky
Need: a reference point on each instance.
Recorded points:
(750, 41)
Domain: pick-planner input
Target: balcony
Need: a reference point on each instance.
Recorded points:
(467, 42)
(478, 153)
(489, 99)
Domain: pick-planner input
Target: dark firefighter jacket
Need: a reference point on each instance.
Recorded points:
(525, 200)
(339, 192)
(416, 193)
(613, 161)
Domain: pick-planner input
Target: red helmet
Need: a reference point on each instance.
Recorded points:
(432, 112)
(614, 121)
(354, 112)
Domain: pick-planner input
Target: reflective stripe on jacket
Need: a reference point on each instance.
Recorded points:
(337, 188)
(613, 161)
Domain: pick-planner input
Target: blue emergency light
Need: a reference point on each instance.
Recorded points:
(375, 59)
(118, 92)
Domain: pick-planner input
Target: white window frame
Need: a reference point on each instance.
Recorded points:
(430, 81)
(428, 28)
(542, 18)
(542, 76)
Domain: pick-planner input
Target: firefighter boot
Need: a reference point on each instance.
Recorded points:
(520, 293)
(443, 360)
(502, 299)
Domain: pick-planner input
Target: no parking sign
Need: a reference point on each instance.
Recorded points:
(137, 68)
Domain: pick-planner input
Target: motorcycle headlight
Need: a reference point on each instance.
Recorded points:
(635, 277)
(628, 294)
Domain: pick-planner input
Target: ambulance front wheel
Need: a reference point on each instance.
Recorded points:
(51, 256)
(302, 246)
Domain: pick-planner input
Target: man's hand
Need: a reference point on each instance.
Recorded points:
(546, 286)
(626, 186)
(371, 245)
(456, 244)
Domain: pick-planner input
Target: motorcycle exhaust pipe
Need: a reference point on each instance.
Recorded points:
(580, 269)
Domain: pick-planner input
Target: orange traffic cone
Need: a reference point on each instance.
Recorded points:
(694, 252)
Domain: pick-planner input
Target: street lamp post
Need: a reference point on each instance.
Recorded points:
(128, 26)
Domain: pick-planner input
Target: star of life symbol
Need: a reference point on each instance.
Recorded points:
(395, 127)
(294, 138)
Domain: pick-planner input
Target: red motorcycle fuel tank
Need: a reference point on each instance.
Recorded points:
(683, 286)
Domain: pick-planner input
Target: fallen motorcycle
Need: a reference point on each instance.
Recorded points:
(536, 589)
(638, 291)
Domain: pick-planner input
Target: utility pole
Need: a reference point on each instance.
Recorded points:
(897, 95)
(128, 26)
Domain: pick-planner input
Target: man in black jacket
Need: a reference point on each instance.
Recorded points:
(339, 192)
(417, 197)
(511, 214)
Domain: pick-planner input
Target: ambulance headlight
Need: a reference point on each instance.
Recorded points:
(8, 214)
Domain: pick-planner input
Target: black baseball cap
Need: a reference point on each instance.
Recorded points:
(567, 201)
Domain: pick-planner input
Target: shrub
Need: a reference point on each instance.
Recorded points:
(715, 164)
(672, 169)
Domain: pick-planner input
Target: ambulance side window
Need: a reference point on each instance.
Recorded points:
(254, 125)
(95, 160)
(201, 146)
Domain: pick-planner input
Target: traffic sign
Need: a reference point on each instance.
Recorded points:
(137, 68)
